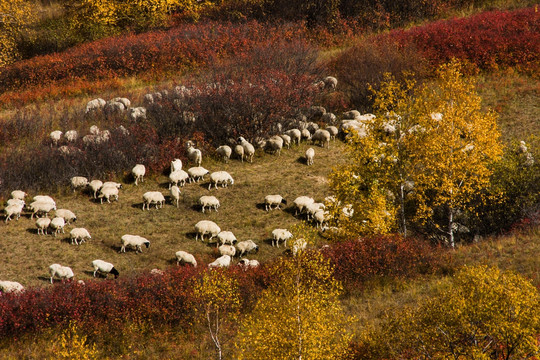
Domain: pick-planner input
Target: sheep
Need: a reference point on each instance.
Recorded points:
(42, 224)
(197, 173)
(94, 105)
(301, 202)
(276, 200)
(157, 272)
(112, 184)
(330, 82)
(222, 261)
(247, 246)
(227, 250)
(95, 185)
(44, 198)
(246, 264)
(286, 140)
(79, 235)
(194, 155)
(57, 224)
(352, 114)
(68, 215)
(63, 272)
(15, 201)
(113, 108)
(322, 137)
(239, 151)
(134, 241)
(78, 182)
(312, 208)
(204, 227)
(295, 134)
(108, 192)
(175, 195)
(138, 172)
(329, 118)
(178, 177)
(10, 287)
(224, 151)
(176, 165)
(94, 130)
(298, 246)
(249, 150)
(274, 145)
(183, 257)
(105, 268)
(226, 237)
(280, 235)
(41, 207)
(310, 155)
(55, 137)
(18, 194)
(137, 114)
(220, 177)
(153, 197)
(333, 131)
(312, 127)
(306, 135)
(71, 135)
(320, 217)
(13, 209)
(210, 202)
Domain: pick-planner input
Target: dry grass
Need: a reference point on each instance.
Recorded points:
(26, 256)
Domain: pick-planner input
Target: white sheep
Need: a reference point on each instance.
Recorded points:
(246, 246)
(220, 177)
(246, 264)
(94, 105)
(274, 145)
(94, 130)
(310, 155)
(153, 197)
(239, 152)
(137, 114)
(280, 235)
(306, 135)
(227, 250)
(134, 241)
(112, 184)
(78, 182)
(351, 114)
(322, 137)
(138, 172)
(270, 200)
(298, 246)
(210, 202)
(10, 287)
(63, 272)
(222, 261)
(226, 237)
(330, 82)
(249, 150)
(178, 177)
(42, 224)
(312, 208)
(15, 201)
(183, 257)
(175, 194)
(105, 268)
(79, 235)
(320, 217)
(224, 151)
(204, 227)
(301, 202)
(286, 140)
(57, 224)
(194, 155)
(18, 194)
(329, 118)
(197, 173)
(108, 192)
(312, 127)
(176, 165)
(13, 209)
(55, 137)
(38, 207)
(295, 134)
(44, 198)
(71, 135)
(333, 131)
(114, 108)
(68, 215)
(95, 185)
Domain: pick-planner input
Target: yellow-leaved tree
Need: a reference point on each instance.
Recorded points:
(15, 16)
(482, 313)
(299, 316)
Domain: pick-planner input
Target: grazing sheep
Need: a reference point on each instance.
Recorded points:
(247, 246)
(38, 207)
(175, 195)
(320, 218)
(13, 209)
(112, 184)
(94, 130)
(274, 145)
(78, 182)
(105, 268)
(18, 194)
(286, 140)
(134, 241)
(247, 264)
(79, 235)
(94, 105)
(178, 177)
(57, 224)
(7, 287)
(312, 127)
(222, 261)
(194, 155)
(71, 135)
(280, 235)
(312, 208)
(183, 257)
(227, 250)
(329, 118)
(298, 246)
(224, 151)
(197, 173)
(95, 185)
(153, 197)
(306, 135)
(204, 227)
(295, 134)
(68, 215)
(108, 192)
(55, 137)
(300, 204)
(176, 165)
(138, 172)
(239, 151)
(351, 114)
(330, 82)
(44, 198)
(220, 177)
(310, 155)
(322, 137)
(137, 114)
(226, 237)
(63, 272)
(42, 224)
(114, 108)
(15, 201)
(333, 131)
(276, 200)
(249, 150)
(210, 202)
